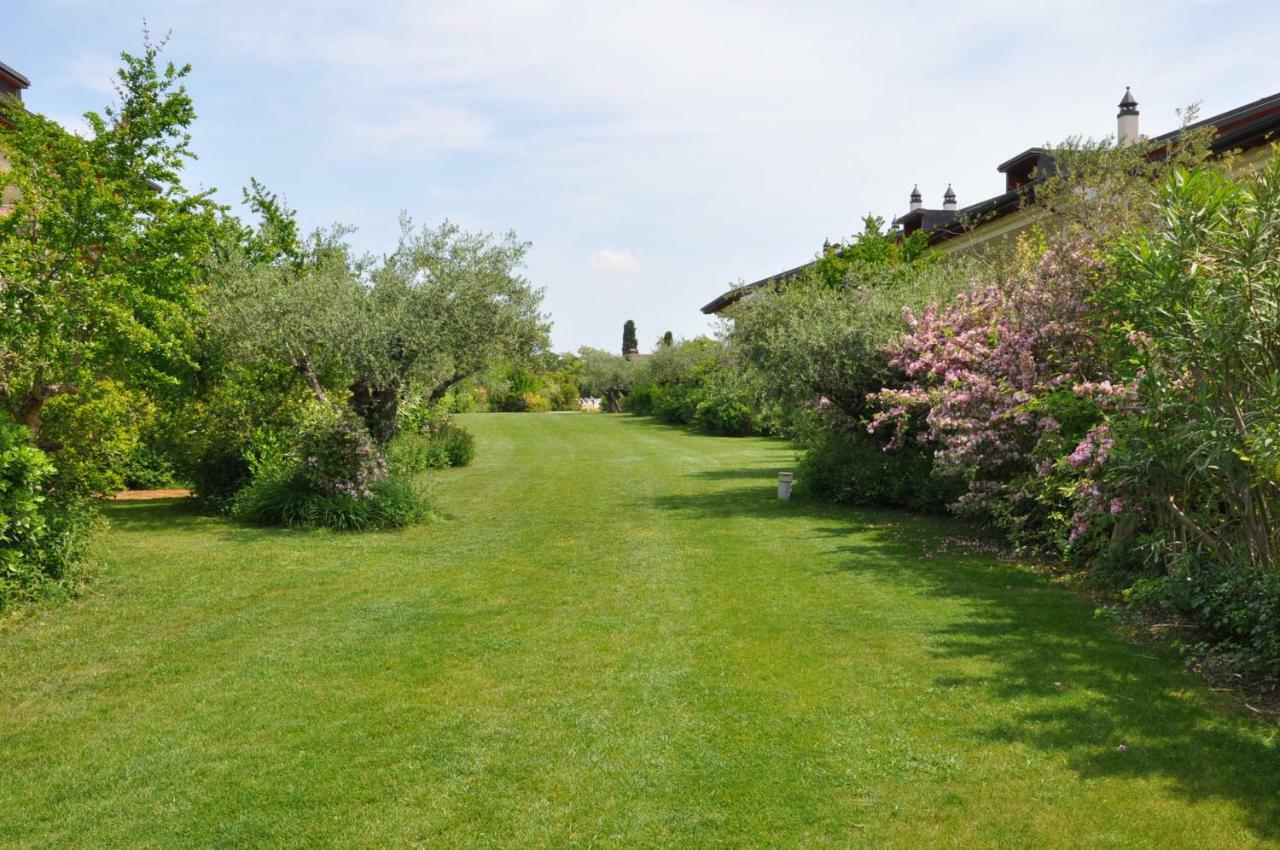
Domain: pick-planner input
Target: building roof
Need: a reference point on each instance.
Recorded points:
(1245, 127)
(13, 77)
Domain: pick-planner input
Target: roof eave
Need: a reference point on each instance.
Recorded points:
(17, 78)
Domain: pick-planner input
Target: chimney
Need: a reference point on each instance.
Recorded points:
(917, 200)
(949, 199)
(1127, 120)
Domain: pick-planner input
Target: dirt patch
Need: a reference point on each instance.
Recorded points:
(149, 495)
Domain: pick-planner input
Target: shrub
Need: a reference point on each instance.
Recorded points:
(459, 444)
(725, 413)
(854, 468)
(991, 380)
(446, 446)
(42, 539)
(429, 439)
(535, 403)
(564, 394)
(290, 499)
(147, 468)
(220, 437)
(641, 398)
(676, 404)
(337, 457)
(1239, 608)
(409, 454)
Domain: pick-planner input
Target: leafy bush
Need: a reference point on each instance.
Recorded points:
(990, 376)
(822, 335)
(219, 438)
(677, 404)
(514, 390)
(641, 398)
(459, 445)
(535, 403)
(563, 394)
(1196, 306)
(291, 499)
(694, 383)
(147, 468)
(429, 439)
(853, 468)
(1239, 608)
(337, 457)
(446, 446)
(42, 539)
(725, 413)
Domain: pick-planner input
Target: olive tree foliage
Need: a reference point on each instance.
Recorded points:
(442, 307)
(823, 334)
(103, 249)
(302, 307)
(606, 376)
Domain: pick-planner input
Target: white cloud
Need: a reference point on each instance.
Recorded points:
(720, 140)
(94, 72)
(413, 130)
(611, 260)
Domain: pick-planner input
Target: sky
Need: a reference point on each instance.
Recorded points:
(653, 153)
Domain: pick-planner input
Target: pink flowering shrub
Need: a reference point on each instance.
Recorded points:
(1006, 383)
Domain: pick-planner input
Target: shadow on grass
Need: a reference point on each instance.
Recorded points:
(1074, 687)
(168, 515)
(155, 514)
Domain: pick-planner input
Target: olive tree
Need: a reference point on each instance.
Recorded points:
(442, 307)
(607, 376)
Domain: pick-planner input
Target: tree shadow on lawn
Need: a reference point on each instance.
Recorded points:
(155, 514)
(189, 516)
(1073, 685)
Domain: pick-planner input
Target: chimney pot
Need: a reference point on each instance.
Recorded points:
(917, 200)
(1127, 120)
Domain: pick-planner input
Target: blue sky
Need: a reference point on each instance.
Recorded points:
(653, 153)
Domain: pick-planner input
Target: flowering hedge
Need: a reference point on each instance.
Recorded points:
(1000, 380)
(1119, 402)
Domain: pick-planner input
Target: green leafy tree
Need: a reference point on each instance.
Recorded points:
(103, 249)
(1196, 310)
(817, 338)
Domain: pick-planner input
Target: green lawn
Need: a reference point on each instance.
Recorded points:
(618, 637)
